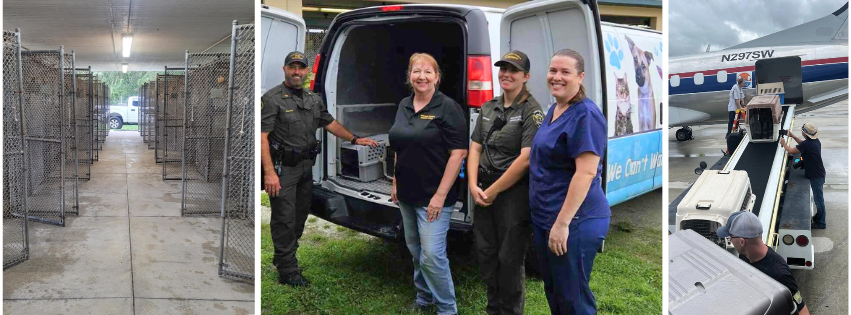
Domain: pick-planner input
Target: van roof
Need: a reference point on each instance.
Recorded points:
(630, 27)
(266, 10)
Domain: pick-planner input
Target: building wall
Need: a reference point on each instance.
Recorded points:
(293, 6)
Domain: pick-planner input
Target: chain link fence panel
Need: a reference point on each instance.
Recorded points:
(69, 129)
(83, 121)
(15, 230)
(313, 43)
(151, 104)
(173, 103)
(205, 112)
(44, 135)
(237, 240)
(143, 113)
(159, 114)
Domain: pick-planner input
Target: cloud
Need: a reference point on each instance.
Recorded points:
(692, 25)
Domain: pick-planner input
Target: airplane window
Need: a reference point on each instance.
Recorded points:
(722, 76)
(675, 81)
(698, 78)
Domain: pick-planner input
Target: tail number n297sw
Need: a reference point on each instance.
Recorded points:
(751, 55)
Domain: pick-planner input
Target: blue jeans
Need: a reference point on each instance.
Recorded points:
(427, 243)
(566, 277)
(817, 184)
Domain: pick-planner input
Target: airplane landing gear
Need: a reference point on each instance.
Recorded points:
(684, 134)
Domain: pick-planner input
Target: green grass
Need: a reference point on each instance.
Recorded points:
(356, 275)
(128, 127)
(264, 199)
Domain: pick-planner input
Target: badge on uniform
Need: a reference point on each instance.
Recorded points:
(538, 115)
(289, 111)
(426, 117)
(797, 297)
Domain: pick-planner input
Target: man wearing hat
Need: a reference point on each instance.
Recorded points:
(290, 116)
(745, 232)
(498, 163)
(810, 150)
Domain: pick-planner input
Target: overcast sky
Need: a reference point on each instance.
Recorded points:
(693, 25)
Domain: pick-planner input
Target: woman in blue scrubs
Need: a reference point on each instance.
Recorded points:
(570, 213)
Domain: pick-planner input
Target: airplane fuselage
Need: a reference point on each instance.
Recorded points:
(699, 85)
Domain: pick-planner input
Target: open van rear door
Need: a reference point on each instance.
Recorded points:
(540, 28)
(281, 32)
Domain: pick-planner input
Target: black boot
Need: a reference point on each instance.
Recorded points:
(294, 280)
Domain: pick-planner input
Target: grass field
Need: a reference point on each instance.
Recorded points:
(357, 274)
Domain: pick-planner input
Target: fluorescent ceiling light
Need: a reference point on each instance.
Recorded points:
(124, 68)
(126, 47)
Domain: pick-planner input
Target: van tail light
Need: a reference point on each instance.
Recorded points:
(313, 71)
(391, 8)
(802, 240)
(479, 80)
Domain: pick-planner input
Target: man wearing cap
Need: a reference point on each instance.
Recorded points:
(498, 164)
(745, 232)
(737, 97)
(290, 116)
(810, 150)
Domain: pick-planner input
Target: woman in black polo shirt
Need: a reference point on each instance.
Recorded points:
(497, 165)
(429, 136)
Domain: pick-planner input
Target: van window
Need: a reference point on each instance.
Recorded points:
(135, 103)
(722, 76)
(675, 80)
(698, 78)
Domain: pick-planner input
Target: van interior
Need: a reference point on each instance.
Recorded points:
(373, 80)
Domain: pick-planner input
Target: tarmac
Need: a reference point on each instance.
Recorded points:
(128, 252)
(825, 288)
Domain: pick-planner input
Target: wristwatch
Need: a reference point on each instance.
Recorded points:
(355, 138)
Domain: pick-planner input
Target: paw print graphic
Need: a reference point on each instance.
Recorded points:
(658, 50)
(613, 48)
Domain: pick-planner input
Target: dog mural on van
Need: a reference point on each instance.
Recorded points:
(646, 100)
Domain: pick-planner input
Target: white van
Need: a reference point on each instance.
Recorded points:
(360, 72)
(282, 32)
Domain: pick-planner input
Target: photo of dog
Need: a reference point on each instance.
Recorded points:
(646, 100)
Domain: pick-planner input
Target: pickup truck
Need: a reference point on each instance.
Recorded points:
(124, 113)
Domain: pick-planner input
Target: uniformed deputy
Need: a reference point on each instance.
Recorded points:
(497, 164)
(570, 212)
(290, 117)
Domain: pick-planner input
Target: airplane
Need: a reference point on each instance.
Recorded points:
(699, 84)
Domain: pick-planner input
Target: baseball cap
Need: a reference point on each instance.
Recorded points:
(742, 224)
(810, 130)
(516, 58)
(295, 56)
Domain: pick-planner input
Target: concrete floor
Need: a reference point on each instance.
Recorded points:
(825, 288)
(129, 251)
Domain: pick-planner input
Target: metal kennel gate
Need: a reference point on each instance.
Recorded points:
(172, 122)
(143, 113)
(159, 113)
(83, 121)
(69, 126)
(150, 103)
(42, 78)
(204, 133)
(236, 258)
(97, 112)
(16, 247)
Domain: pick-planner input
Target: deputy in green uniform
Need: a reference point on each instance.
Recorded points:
(288, 147)
(498, 162)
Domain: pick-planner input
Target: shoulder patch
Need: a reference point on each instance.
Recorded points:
(797, 297)
(538, 115)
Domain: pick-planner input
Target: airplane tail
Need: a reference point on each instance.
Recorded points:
(831, 29)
